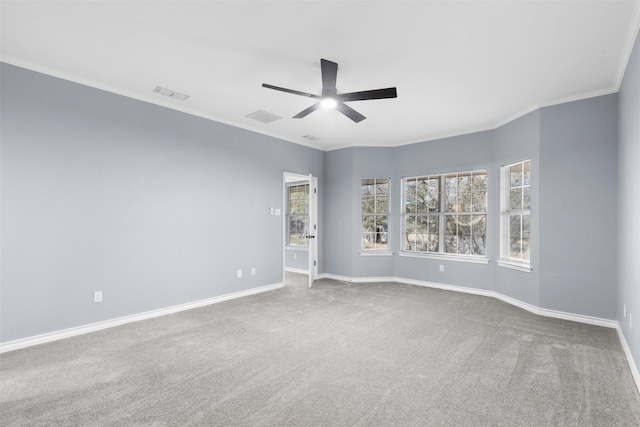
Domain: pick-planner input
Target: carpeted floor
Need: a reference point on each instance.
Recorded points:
(339, 354)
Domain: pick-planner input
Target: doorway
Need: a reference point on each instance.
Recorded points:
(300, 225)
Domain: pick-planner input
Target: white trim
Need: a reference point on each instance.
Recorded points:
(445, 257)
(590, 320)
(627, 351)
(296, 270)
(296, 248)
(634, 28)
(375, 253)
(514, 266)
(93, 327)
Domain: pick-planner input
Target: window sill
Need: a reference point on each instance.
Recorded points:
(514, 266)
(375, 253)
(473, 260)
(297, 248)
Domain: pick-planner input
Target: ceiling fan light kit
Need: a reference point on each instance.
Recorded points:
(330, 97)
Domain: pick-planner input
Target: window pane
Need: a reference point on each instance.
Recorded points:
(299, 206)
(478, 234)
(515, 236)
(526, 237)
(382, 187)
(515, 203)
(422, 231)
(382, 204)
(433, 195)
(464, 193)
(433, 244)
(367, 205)
(298, 226)
(368, 240)
(410, 196)
(451, 190)
(515, 173)
(464, 234)
(526, 180)
(451, 235)
(410, 233)
(526, 198)
(368, 223)
(422, 187)
(382, 223)
(381, 241)
(480, 192)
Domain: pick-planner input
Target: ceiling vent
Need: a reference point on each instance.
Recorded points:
(311, 138)
(170, 93)
(263, 116)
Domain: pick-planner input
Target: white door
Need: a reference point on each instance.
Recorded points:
(313, 229)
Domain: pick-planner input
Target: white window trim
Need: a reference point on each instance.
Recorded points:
(477, 259)
(297, 248)
(473, 259)
(288, 215)
(505, 180)
(376, 252)
(515, 266)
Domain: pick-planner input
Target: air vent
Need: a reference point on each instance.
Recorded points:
(263, 116)
(170, 93)
(311, 138)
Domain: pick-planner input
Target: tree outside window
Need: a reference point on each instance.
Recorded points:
(446, 214)
(516, 212)
(297, 214)
(375, 213)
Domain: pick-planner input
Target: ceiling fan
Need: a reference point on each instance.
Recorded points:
(330, 97)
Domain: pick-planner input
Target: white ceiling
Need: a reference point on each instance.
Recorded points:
(459, 66)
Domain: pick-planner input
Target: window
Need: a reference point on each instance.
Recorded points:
(446, 214)
(374, 198)
(297, 214)
(515, 218)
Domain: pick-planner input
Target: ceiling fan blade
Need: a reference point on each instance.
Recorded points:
(295, 92)
(309, 110)
(329, 75)
(350, 112)
(389, 92)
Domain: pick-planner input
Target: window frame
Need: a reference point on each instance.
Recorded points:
(374, 250)
(289, 215)
(442, 214)
(506, 260)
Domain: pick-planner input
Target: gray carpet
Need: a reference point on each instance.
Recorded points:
(336, 355)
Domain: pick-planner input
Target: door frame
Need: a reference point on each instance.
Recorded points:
(312, 266)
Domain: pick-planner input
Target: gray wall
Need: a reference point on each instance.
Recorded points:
(629, 202)
(456, 154)
(573, 151)
(296, 258)
(519, 140)
(101, 192)
(151, 206)
(578, 156)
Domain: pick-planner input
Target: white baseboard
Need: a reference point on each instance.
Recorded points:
(630, 361)
(296, 270)
(93, 327)
(597, 321)
(607, 323)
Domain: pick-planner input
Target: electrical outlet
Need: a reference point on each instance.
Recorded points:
(239, 274)
(253, 271)
(97, 296)
(295, 256)
(441, 267)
